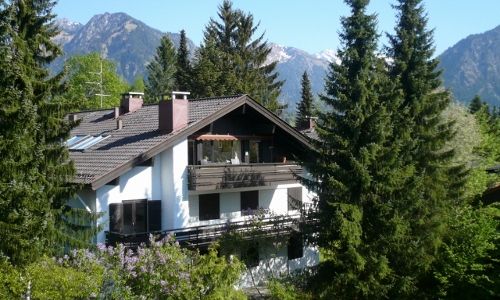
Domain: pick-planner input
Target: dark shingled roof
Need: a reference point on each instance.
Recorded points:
(310, 133)
(139, 134)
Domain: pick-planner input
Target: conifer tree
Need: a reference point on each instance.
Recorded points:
(243, 68)
(476, 104)
(355, 167)
(35, 164)
(161, 71)
(434, 184)
(305, 106)
(183, 73)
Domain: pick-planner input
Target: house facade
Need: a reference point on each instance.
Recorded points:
(195, 169)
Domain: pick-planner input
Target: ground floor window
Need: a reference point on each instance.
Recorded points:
(250, 255)
(295, 246)
(209, 207)
(249, 202)
(135, 216)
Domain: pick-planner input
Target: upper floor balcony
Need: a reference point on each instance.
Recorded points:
(212, 177)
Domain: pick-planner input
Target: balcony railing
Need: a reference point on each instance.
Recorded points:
(203, 235)
(225, 176)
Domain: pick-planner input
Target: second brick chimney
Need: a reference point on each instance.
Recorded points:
(173, 112)
(131, 102)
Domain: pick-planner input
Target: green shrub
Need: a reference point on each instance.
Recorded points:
(51, 279)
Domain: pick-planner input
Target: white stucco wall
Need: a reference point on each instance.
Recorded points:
(174, 191)
(274, 263)
(166, 180)
(138, 183)
(273, 198)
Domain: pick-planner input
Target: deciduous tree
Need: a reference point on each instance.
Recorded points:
(85, 80)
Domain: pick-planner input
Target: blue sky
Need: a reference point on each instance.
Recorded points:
(311, 25)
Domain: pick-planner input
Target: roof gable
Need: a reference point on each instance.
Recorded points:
(140, 139)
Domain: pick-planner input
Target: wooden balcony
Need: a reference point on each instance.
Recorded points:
(226, 176)
(203, 235)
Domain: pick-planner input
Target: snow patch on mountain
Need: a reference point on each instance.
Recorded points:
(329, 54)
(278, 54)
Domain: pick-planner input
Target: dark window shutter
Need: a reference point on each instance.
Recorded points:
(116, 217)
(209, 207)
(140, 216)
(294, 198)
(295, 246)
(154, 215)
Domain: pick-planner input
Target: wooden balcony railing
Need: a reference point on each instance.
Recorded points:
(217, 177)
(202, 235)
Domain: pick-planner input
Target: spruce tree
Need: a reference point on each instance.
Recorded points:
(434, 183)
(35, 164)
(161, 71)
(183, 74)
(305, 106)
(475, 104)
(355, 167)
(243, 68)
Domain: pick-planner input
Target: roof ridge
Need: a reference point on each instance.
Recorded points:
(218, 97)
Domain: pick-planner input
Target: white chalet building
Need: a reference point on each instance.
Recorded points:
(192, 168)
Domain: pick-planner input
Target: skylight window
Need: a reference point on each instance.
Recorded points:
(82, 142)
(76, 139)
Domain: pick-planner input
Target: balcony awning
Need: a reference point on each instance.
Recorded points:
(216, 137)
(228, 137)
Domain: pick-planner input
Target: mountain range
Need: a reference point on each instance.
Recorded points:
(470, 67)
(128, 42)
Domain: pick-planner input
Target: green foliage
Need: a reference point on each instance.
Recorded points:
(52, 280)
(161, 271)
(83, 81)
(138, 85)
(11, 281)
(161, 72)
(281, 291)
(305, 106)
(230, 61)
(464, 268)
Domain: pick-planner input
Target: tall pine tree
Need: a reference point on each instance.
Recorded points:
(161, 71)
(35, 164)
(183, 73)
(231, 61)
(356, 167)
(435, 184)
(305, 106)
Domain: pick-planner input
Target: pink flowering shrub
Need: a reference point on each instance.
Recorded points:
(161, 270)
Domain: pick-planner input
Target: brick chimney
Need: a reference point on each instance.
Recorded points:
(173, 112)
(307, 124)
(131, 102)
